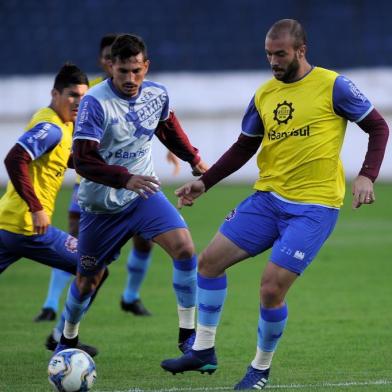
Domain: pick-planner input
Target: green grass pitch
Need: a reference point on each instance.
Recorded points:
(338, 337)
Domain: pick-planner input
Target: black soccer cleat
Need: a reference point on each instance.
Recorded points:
(46, 314)
(51, 344)
(186, 345)
(136, 307)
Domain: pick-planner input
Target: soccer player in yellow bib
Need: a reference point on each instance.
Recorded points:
(139, 258)
(299, 118)
(36, 167)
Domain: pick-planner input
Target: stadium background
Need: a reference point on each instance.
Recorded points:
(210, 54)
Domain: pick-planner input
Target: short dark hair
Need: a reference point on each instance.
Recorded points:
(107, 40)
(69, 74)
(290, 26)
(128, 45)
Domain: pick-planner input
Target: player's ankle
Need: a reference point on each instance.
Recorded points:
(70, 342)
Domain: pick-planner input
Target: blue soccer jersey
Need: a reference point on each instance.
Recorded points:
(123, 127)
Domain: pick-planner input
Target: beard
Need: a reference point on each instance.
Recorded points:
(290, 75)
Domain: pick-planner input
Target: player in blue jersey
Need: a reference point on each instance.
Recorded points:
(36, 166)
(119, 192)
(139, 258)
(299, 118)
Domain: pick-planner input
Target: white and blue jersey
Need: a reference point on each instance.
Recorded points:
(123, 127)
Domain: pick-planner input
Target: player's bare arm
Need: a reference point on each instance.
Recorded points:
(363, 192)
(189, 192)
(199, 169)
(41, 221)
(143, 185)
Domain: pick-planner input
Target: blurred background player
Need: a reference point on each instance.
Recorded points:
(139, 258)
(36, 167)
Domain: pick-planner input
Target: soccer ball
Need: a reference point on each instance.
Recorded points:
(72, 370)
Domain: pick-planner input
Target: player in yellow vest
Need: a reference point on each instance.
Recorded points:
(36, 167)
(299, 118)
(139, 259)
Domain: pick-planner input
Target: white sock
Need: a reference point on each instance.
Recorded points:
(205, 337)
(70, 330)
(186, 317)
(262, 360)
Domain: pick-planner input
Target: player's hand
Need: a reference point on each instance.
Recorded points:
(143, 185)
(189, 192)
(41, 221)
(171, 158)
(363, 192)
(199, 169)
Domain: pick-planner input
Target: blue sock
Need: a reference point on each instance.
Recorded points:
(58, 281)
(271, 326)
(184, 281)
(76, 304)
(211, 296)
(138, 264)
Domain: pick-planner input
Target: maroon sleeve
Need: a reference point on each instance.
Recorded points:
(70, 163)
(377, 128)
(171, 134)
(17, 165)
(89, 164)
(232, 160)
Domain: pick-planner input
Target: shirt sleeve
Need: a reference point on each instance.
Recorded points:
(89, 123)
(40, 139)
(166, 107)
(348, 100)
(251, 123)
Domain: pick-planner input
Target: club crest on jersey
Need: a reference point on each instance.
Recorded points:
(283, 112)
(88, 262)
(231, 215)
(71, 244)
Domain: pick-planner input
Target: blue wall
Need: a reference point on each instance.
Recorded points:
(37, 36)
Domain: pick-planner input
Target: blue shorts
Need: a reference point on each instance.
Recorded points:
(73, 205)
(54, 248)
(101, 236)
(295, 232)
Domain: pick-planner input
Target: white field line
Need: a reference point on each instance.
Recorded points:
(343, 384)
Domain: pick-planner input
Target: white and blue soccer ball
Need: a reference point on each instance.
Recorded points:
(72, 370)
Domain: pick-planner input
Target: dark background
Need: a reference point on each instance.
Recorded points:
(37, 37)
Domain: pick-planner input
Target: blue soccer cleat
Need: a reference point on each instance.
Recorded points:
(60, 347)
(203, 361)
(187, 344)
(253, 379)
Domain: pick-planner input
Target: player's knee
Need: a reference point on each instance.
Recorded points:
(181, 246)
(271, 294)
(142, 245)
(206, 267)
(183, 250)
(87, 284)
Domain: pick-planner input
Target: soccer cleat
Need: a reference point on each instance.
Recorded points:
(52, 345)
(136, 307)
(253, 379)
(46, 314)
(203, 361)
(187, 344)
